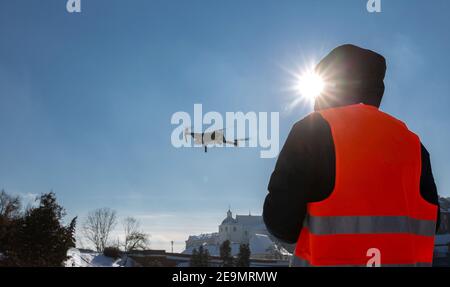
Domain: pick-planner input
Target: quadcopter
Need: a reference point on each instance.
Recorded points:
(210, 138)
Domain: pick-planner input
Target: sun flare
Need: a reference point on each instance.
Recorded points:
(309, 85)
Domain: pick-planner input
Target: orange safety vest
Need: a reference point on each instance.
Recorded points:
(376, 201)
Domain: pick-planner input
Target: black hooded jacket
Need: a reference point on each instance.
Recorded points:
(305, 170)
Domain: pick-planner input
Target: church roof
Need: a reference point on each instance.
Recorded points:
(249, 219)
(229, 220)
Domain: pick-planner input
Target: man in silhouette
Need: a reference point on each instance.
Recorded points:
(350, 179)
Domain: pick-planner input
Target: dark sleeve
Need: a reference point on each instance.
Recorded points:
(428, 188)
(304, 173)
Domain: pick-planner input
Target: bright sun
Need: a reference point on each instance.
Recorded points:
(309, 85)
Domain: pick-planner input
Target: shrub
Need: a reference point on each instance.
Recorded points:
(112, 252)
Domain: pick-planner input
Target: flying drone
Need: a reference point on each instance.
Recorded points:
(210, 138)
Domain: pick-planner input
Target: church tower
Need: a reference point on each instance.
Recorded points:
(229, 213)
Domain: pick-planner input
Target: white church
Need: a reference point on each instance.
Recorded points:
(243, 229)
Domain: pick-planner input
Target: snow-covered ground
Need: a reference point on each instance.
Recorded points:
(262, 244)
(93, 259)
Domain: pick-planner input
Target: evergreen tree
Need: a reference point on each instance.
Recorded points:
(200, 257)
(195, 262)
(243, 258)
(10, 211)
(40, 238)
(225, 254)
(204, 257)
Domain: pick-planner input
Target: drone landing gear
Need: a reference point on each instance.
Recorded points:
(206, 149)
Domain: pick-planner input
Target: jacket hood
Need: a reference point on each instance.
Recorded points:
(352, 75)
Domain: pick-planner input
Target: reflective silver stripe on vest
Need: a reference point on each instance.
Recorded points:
(299, 262)
(322, 225)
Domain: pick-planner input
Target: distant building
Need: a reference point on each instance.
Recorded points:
(243, 229)
(444, 227)
(442, 240)
(240, 229)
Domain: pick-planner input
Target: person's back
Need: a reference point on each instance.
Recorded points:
(371, 189)
(377, 158)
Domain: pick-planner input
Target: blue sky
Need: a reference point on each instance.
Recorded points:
(86, 99)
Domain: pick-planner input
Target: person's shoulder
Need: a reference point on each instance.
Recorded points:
(311, 124)
(424, 150)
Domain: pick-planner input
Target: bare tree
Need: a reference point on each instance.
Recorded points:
(98, 226)
(135, 238)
